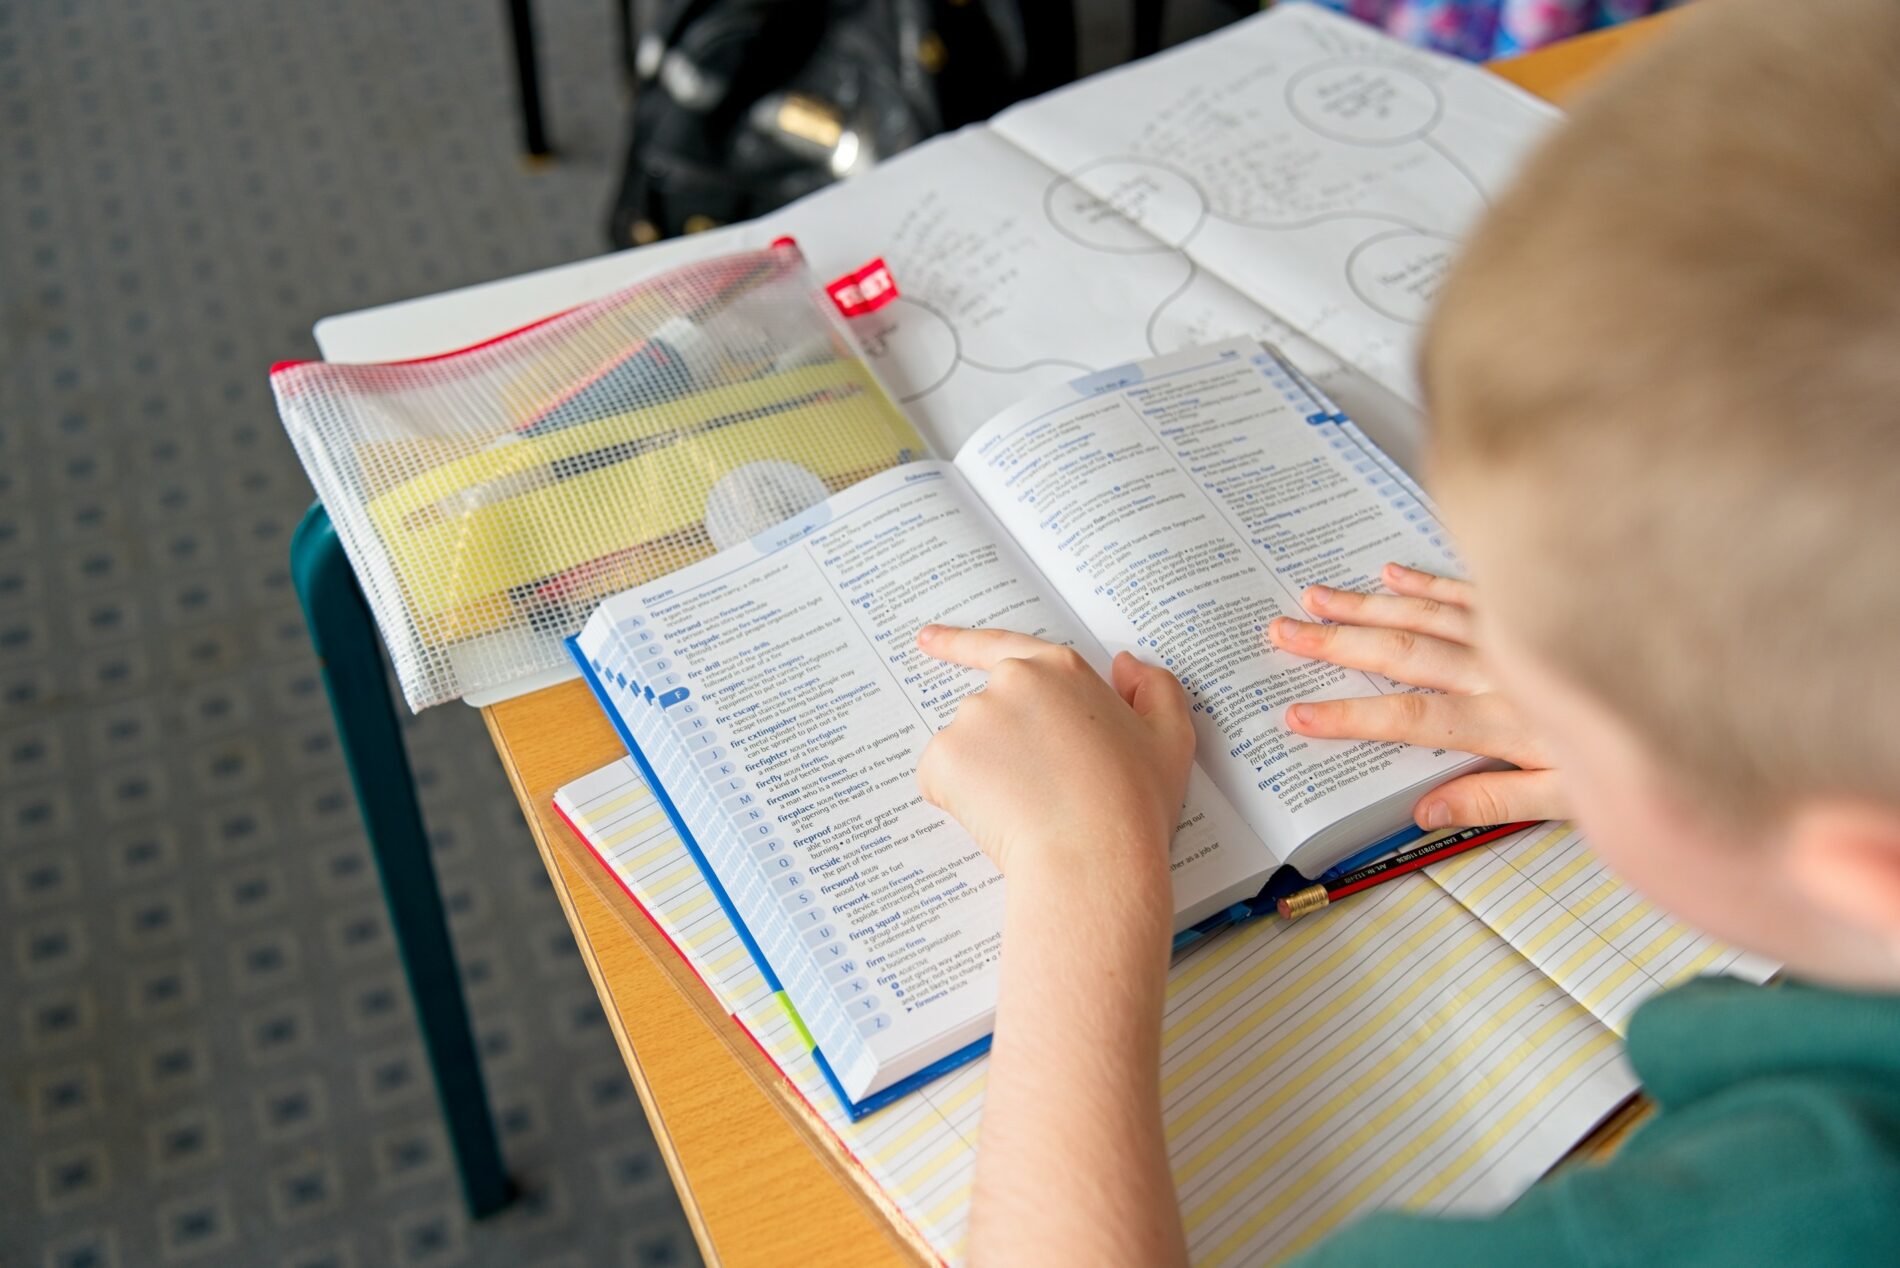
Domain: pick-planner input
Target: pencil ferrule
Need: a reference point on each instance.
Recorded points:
(1304, 902)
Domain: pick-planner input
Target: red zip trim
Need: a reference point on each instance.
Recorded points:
(777, 243)
(440, 356)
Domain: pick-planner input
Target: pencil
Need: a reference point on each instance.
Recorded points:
(1314, 897)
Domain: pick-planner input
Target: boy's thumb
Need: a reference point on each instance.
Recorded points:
(1493, 797)
(1150, 690)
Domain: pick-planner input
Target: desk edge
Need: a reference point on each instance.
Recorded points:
(629, 1055)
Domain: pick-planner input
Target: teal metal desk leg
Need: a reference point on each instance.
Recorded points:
(351, 656)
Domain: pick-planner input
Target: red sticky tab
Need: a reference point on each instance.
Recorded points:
(865, 291)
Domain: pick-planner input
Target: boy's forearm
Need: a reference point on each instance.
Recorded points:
(1072, 1164)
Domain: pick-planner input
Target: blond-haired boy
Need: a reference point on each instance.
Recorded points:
(1665, 378)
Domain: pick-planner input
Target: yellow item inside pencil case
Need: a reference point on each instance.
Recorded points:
(607, 503)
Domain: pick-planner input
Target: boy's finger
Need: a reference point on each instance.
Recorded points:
(1418, 659)
(1421, 616)
(977, 649)
(1511, 796)
(1419, 584)
(1470, 724)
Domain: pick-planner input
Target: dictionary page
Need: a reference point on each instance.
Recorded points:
(1179, 505)
(777, 690)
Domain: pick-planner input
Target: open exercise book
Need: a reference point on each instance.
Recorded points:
(1297, 177)
(1437, 1043)
(775, 698)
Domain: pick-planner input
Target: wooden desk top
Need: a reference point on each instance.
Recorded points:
(754, 1186)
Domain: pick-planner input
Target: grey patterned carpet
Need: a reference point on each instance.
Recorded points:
(207, 1054)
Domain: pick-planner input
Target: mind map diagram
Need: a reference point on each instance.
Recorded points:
(1307, 189)
(1346, 142)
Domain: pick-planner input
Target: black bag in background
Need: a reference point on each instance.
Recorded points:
(742, 106)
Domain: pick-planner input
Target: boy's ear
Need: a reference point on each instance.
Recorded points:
(1845, 858)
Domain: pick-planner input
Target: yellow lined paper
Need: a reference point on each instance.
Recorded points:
(1545, 892)
(1436, 1043)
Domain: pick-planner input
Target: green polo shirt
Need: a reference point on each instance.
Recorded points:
(1776, 1141)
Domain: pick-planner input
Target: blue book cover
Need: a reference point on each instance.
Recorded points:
(856, 1109)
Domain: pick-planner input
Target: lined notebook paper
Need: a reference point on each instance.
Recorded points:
(1436, 1044)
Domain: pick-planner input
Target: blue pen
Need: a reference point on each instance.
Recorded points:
(1397, 841)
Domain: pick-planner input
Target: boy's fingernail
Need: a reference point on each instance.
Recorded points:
(928, 632)
(1301, 713)
(1437, 815)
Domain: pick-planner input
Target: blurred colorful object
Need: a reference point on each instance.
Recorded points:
(1482, 29)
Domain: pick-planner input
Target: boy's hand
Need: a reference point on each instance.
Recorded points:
(1421, 634)
(1073, 788)
(1049, 764)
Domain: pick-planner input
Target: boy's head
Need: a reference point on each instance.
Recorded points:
(1665, 378)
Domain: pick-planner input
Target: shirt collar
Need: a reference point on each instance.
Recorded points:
(1712, 1033)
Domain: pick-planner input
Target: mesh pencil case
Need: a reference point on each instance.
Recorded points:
(487, 499)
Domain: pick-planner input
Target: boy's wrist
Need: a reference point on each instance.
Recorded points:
(1080, 931)
(1123, 860)
(1112, 882)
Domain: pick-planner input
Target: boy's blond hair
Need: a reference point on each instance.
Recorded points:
(1675, 346)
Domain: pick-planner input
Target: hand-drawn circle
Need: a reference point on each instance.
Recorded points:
(931, 349)
(1397, 274)
(751, 498)
(1365, 103)
(1136, 216)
